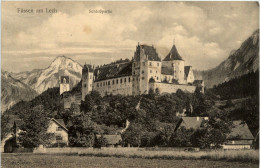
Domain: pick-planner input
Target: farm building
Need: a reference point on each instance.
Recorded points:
(240, 136)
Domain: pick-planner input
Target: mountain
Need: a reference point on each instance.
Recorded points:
(241, 61)
(42, 79)
(13, 91)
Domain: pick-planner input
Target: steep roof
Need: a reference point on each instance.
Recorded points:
(60, 122)
(186, 71)
(150, 52)
(113, 71)
(167, 71)
(173, 55)
(240, 131)
(190, 122)
(112, 139)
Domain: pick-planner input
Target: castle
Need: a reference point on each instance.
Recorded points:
(145, 72)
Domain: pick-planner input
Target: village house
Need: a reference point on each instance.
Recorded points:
(240, 136)
(56, 126)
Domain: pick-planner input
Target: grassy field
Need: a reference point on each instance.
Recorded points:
(70, 161)
(230, 155)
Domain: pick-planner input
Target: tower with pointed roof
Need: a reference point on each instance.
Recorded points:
(174, 61)
(87, 80)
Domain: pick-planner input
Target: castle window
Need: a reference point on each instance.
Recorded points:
(143, 63)
(158, 64)
(125, 80)
(121, 80)
(142, 71)
(157, 78)
(134, 64)
(142, 78)
(97, 84)
(133, 79)
(129, 80)
(156, 71)
(108, 82)
(151, 71)
(117, 81)
(113, 82)
(85, 85)
(172, 64)
(150, 63)
(104, 83)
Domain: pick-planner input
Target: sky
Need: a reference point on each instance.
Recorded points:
(203, 32)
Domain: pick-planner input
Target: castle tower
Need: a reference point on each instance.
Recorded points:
(64, 84)
(87, 80)
(174, 60)
(146, 64)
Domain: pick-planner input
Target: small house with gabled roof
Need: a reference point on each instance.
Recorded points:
(240, 137)
(58, 127)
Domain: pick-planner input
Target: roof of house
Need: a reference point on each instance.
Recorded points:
(173, 55)
(112, 139)
(167, 71)
(186, 71)
(240, 130)
(60, 122)
(113, 71)
(191, 122)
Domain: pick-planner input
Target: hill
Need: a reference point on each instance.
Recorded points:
(13, 91)
(241, 61)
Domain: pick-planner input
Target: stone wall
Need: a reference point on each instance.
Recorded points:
(171, 88)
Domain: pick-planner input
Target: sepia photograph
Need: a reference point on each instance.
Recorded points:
(141, 84)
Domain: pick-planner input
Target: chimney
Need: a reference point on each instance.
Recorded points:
(198, 118)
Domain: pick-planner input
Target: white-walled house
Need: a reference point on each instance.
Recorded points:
(60, 131)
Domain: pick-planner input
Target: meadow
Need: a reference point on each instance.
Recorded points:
(74, 161)
(116, 158)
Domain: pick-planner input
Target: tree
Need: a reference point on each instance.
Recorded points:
(101, 141)
(133, 135)
(5, 130)
(181, 137)
(82, 132)
(213, 133)
(34, 130)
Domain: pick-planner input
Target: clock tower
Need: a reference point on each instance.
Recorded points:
(64, 84)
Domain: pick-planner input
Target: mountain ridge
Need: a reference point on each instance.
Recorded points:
(240, 62)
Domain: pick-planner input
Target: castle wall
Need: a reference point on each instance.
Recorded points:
(121, 85)
(171, 88)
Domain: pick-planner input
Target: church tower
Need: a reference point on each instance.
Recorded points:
(87, 80)
(64, 84)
